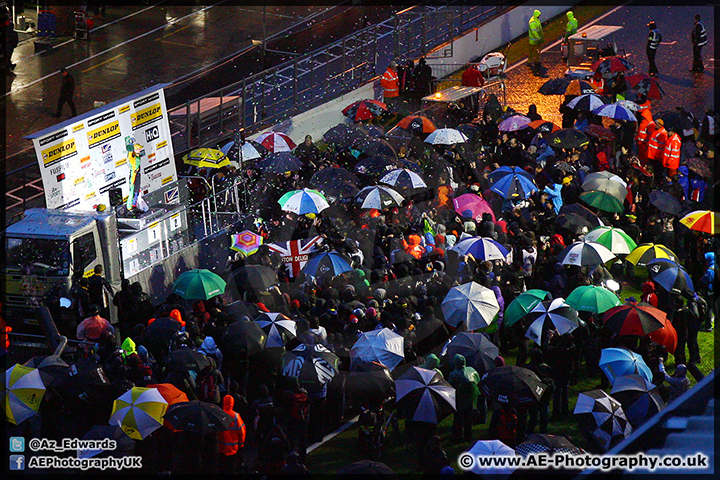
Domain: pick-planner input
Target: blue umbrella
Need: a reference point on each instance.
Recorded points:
(616, 362)
(669, 275)
(512, 183)
(616, 111)
(331, 263)
(482, 248)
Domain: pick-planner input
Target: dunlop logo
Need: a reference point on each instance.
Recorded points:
(124, 108)
(145, 116)
(161, 145)
(167, 180)
(59, 152)
(103, 134)
(120, 162)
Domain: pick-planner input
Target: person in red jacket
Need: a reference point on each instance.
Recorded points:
(390, 84)
(646, 128)
(649, 295)
(413, 247)
(231, 442)
(472, 77)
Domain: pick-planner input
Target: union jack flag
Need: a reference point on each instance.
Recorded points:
(295, 253)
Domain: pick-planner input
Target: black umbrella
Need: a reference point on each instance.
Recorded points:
(376, 166)
(331, 175)
(640, 399)
(575, 216)
(369, 381)
(86, 384)
(513, 386)
(470, 130)
(554, 86)
(568, 138)
(343, 135)
(124, 445)
(243, 338)
(543, 442)
(424, 396)
(475, 347)
(312, 364)
(198, 417)
(365, 467)
(160, 332)
(370, 146)
(279, 163)
(185, 358)
(665, 202)
(374, 131)
(672, 119)
(602, 417)
(257, 277)
(53, 369)
(338, 191)
(398, 137)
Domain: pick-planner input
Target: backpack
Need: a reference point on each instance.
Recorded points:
(207, 386)
(299, 406)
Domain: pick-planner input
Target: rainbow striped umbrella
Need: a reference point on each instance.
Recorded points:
(246, 242)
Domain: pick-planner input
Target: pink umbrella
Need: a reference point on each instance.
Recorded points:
(514, 123)
(471, 205)
(276, 142)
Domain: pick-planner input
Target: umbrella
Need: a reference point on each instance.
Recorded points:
(251, 150)
(699, 167)
(602, 416)
(582, 212)
(139, 412)
(160, 332)
(399, 137)
(417, 124)
(259, 277)
(170, 393)
(330, 175)
(568, 138)
(445, 136)
(591, 298)
(607, 67)
(566, 86)
(279, 328)
(629, 104)
(424, 396)
(376, 166)
(369, 380)
(276, 142)
(702, 221)
(343, 135)
(578, 87)
(338, 191)
(243, 338)
(600, 132)
(512, 182)
(375, 131)
(614, 239)
(199, 284)
(512, 386)
(482, 248)
(53, 369)
(523, 304)
(551, 314)
(327, 263)
(472, 206)
(670, 276)
(475, 347)
(312, 364)
(585, 254)
(279, 163)
(371, 146)
(383, 346)
(604, 200)
(470, 130)
(303, 202)
(246, 242)
(403, 178)
(543, 442)
(187, 359)
(675, 120)
(596, 179)
(574, 222)
(365, 110)
(86, 384)
(666, 336)
(640, 399)
(22, 392)
(632, 318)
(471, 303)
(368, 468)
(616, 112)
(206, 158)
(645, 252)
(198, 417)
(378, 197)
(565, 167)
(644, 84)
(123, 443)
(587, 102)
(488, 448)
(615, 362)
(514, 123)
(543, 126)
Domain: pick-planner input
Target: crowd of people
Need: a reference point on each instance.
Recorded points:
(403, 265)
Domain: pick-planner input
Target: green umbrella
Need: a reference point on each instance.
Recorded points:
(591, 298)
(199, 284)
(522, 304)
(603, 201)
(615, 239)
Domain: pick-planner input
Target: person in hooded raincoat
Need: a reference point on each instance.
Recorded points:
(231, 442)
(210, 349)
(465, 380)
(535, 39)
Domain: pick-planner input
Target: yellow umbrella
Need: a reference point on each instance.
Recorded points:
(645, 252)
(139, 412)
(22, 393)
(206, 157)
(703, 221)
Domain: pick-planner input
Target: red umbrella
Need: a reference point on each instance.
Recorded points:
(666, 336)
(607, 67)
(634, 318)
(172, 395)
(543, 126)
(417, 123)
(600, 133)
(365, 110)
(642, 83)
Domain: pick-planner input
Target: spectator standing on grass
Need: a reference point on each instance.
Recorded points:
(465, 381)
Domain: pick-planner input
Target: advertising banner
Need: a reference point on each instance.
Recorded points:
(82, 159)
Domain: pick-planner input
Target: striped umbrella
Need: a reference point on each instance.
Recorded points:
(22, 392)
(246, 242)
(632, 318)
(446, 136)
(514, 123)
(523, 304)
(591, 298)
(616, 112)
(645, 252)
(424, 396)
(378, 197)
(551, 314)
(206, 158)
(139, 412)
(417, 124)
(585, 254)
(403, 178)
(543, 442)
(614, 239)
(587, 102)
(616, 362)
(276, 142)
(482, 248)
(471, 303)
(251, 150)
(670, 276)
(303, 202)
(312, 364)
(640, 399)
(172, 395)
(703, 221)
(666, 336)
(603, 418)
(280, 329)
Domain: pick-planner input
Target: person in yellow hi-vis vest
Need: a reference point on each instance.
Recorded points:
(535, 38)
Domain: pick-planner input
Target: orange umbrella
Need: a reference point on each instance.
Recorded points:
(172, 395)
(544, 126)
(666, 336)
(417, 123)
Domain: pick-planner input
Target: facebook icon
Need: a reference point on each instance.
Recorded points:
(17, 462)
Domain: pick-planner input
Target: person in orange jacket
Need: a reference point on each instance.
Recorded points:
(231, 442)
(390, 84)
(671, 152)
(645, 130)
(413, 247)
(656, 145)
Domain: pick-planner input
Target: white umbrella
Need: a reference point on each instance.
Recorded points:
(561, 315)
(22, 392)
(470, 303)
(589, 100)
(403, 178)
(383, 346)
(482, 248)
(490, 448)
(379, 197)
(303, 201)
(585, 253)
(446, 136)
(279, 328)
